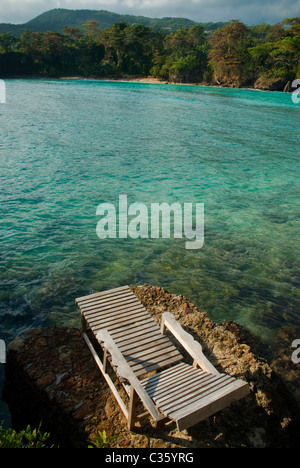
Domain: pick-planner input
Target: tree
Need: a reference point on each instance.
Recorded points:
(72, 35)
(260, 31)
(114, 40)
(91, 28)
(90, 55)
(229, 55)
(232, 55)
(31, 43)
(128, 49)
(184, 58)
(279, 56)
(138, 51)
(8, 42)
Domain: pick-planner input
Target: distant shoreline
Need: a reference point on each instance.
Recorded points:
(145, 80)
(124, 79)
(152, 80)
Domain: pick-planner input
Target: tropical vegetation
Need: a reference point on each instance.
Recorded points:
(232, 55)
(34, 438)
(27, 438)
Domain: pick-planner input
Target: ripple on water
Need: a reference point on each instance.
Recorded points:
(68, 146)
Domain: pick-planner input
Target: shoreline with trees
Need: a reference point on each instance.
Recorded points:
(261, 57)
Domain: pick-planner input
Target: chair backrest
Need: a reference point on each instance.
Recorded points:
(131, 327)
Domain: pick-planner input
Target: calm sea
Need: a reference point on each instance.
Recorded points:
(66, 146)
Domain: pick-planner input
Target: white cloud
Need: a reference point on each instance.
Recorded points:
(271, 11)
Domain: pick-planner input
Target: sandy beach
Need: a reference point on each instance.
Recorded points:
(152, 80)
(148, 79)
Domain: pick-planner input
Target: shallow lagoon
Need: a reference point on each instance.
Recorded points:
(66, 146)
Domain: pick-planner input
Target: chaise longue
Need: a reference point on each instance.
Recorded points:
(149, 365)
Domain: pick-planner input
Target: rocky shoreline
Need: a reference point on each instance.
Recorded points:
(52, 381)
(261, 84)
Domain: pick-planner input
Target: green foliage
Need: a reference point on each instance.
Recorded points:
(28, 438)
(102, 441)
(58, 18)
(279, 55)
(232, 55)
(259, 31)
(229, 53)
(241, 55)
(183, 57)
(7, 42)
(128, 49)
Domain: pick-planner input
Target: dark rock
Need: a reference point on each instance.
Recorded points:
(269, 84)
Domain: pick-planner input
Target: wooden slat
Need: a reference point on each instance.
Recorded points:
(208, 388)
(105, 299)
(108, 292)
(165, 380)
(157, 365)
(182, 388)
(142, 322)
(95, 313)
(138, 337)
(150, 354)
(165, 393)
(130, 330)
(112, 305)
(154, 379)
(129, 317)
(162, 388)
(119, 332)
(111, 302)
(153, 359)
(212, 403)
(141, 319)
(143, 344)
(115, 312)
(184, 379)
(211, 386)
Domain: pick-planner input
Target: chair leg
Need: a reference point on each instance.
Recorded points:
(132, 409)
(105, 360)
(160, 424)
(83, 324)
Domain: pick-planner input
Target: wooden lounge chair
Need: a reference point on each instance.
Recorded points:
(149, 365)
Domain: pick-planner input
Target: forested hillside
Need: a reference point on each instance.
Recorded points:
(59, 18)
(234, 55)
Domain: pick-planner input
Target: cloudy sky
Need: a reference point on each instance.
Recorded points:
(250, 12)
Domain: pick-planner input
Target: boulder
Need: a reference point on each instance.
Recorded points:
(270, 84)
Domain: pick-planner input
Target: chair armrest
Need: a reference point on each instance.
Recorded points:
(124, 370)
(193, 347)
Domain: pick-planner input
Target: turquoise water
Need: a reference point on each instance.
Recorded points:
(66, 146)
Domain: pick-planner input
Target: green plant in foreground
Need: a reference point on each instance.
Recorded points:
(28, 438)
(102, 441)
